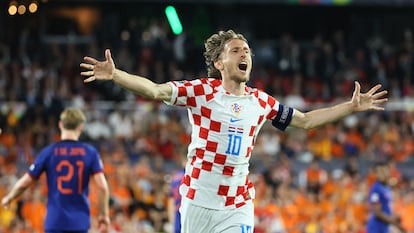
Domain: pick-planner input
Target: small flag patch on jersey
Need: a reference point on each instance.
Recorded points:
(234, 129)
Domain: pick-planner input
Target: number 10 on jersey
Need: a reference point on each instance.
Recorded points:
(234, 145)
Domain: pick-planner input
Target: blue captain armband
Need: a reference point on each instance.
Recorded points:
(283, 117)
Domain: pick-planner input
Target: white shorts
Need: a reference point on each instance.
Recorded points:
(196, 219)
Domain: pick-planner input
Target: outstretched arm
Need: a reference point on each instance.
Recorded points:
(360, 102)
(106, 70)
(21, 185)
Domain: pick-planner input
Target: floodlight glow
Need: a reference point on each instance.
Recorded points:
(173, 20)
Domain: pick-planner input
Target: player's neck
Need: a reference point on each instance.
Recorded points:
(235, 88)
(69, 135)
(384, 182)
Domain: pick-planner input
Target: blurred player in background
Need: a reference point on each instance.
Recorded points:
(226, 116)
(174, 201)
(380, 200)
(174, 197)
(68, 165)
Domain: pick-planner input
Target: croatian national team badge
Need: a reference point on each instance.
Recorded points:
(236, 109)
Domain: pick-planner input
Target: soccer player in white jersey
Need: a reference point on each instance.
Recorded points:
(226, 116)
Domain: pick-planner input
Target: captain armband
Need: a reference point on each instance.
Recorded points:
(283, 117)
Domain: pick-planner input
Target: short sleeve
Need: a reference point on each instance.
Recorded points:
(182, 93)
(38, 166)
(174, 93)
(97, 164)
(190, 93)
(374, 197)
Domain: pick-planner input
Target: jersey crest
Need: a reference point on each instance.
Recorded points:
(236, 109)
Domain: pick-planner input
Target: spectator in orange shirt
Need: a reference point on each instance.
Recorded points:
(33, 210)
(314, 177)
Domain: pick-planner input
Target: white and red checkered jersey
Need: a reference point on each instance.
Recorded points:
(224, 130)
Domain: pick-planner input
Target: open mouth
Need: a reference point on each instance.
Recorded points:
(243, 66)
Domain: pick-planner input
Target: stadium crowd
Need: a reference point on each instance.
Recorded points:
(306, 181)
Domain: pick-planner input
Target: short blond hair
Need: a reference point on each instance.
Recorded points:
(214, 46)
(71, 118)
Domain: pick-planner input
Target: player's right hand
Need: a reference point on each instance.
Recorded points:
(397, 222)
(5, 201)
(98, 70)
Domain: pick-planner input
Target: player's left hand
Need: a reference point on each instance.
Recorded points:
(369, 100)
(104, 224)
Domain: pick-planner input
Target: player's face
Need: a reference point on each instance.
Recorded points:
(236, 61)
(383, 173)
